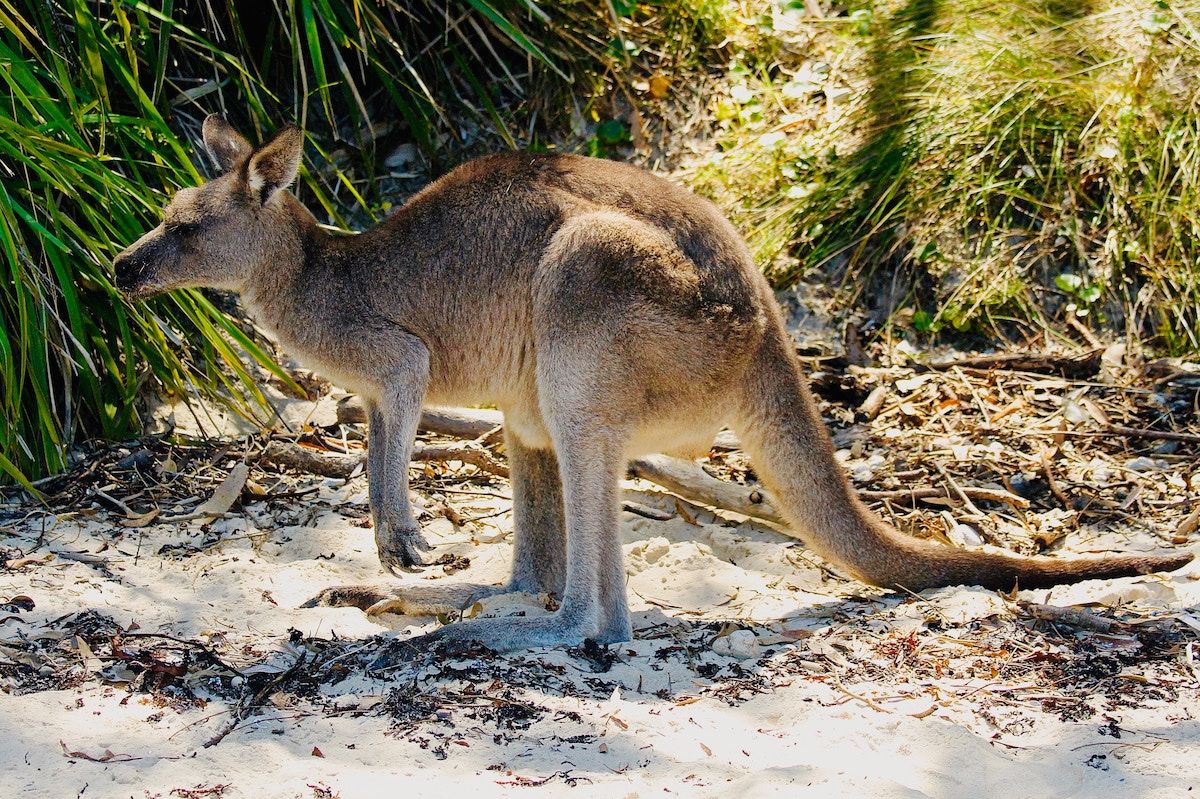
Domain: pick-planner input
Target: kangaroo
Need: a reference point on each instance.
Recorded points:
(606, 311)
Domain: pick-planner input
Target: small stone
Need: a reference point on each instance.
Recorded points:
(403, 156)
(740, 644)
(964, 535)
(137, 460)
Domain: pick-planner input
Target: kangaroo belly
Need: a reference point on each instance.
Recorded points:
(681, 437)
(685, 436)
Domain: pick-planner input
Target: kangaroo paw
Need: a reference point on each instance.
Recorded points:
(393, 605)
(362, 597)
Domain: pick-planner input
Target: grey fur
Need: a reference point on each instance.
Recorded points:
(607, 312)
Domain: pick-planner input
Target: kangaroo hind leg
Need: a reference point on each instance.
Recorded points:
(590, 462)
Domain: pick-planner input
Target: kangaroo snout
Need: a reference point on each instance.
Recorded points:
(129, 271)
(137, 267)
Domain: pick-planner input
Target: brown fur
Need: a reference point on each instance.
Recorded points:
(606, 311)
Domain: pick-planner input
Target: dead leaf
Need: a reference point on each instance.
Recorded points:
(660, 86)
(31, 560)
(637, 132)
(1188, 525)
(316, 752)
(797, 635)
(707, 751)
(91, 663)
(140, 519)
(18, 604)
(226, 494)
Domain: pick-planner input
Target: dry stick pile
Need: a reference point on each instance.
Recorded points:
(1043, 452)
(1059, 434)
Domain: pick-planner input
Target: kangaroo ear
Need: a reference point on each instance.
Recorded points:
(225, 145)
(274, 165)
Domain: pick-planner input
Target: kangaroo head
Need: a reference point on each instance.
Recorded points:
(218, 234)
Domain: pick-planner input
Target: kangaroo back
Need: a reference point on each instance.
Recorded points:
(788, 444)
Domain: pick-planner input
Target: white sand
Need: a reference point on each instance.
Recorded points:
(802, 735)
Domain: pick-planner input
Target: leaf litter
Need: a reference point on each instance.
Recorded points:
(773, 618)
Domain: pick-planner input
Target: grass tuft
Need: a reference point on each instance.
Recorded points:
(1027, 162)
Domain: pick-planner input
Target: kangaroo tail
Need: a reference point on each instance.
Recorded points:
(791, 450)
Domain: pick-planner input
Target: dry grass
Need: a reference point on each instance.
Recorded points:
(1020, 163)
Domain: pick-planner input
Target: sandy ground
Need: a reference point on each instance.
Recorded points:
(754, 673)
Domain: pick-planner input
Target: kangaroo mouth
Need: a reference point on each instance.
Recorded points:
(137, 284)
(142, 291)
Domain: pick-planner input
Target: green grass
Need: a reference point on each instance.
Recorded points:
(88, 159)
(1019, 162)
(101, 109)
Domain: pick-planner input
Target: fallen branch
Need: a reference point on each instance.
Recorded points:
(328, 464)
(696, 485)
(1075, 617)
(1072, 366)
(691, 482)
(647, 512)
(972, 492)
(678, 476)
(1165, 435)
(466, 424)
(303, 459)
(476, 456)
(472, 423)
(1052, 479)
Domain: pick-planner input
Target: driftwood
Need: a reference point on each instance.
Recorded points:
(696, 485)
(1074, 617)
(329, 464)
(1072, 366)
(465, 424)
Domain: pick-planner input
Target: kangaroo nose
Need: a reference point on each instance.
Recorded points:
(127, 271)
(121, 269)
